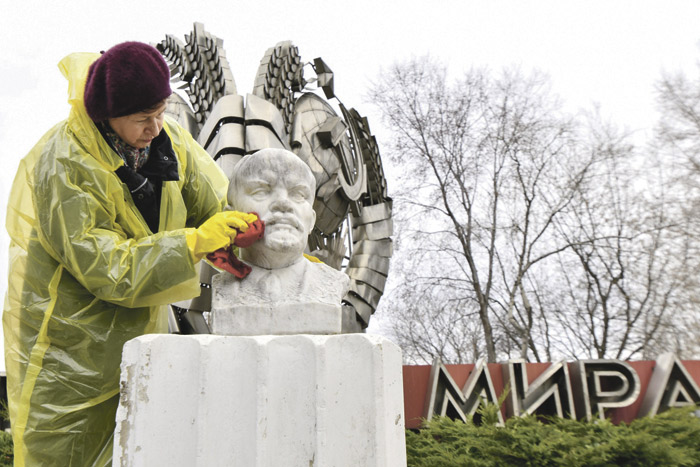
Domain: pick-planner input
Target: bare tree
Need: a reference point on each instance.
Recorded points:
(677, 143)
(678, 98)
(626, 269)
(488, 167)
(525, 234)
(429, 324)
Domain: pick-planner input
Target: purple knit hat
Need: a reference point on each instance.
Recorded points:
(128, 78)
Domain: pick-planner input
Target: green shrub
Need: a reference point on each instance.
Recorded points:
(669, 439)
(6, 447)
(6, 451)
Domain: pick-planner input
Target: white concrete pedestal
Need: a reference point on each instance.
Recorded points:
(301, 400)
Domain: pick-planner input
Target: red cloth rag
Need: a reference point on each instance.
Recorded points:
(255, 231)
(223, 258)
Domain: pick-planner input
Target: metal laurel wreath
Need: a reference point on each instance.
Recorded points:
(354, 224)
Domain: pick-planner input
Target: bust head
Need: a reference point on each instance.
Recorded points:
(281, 188)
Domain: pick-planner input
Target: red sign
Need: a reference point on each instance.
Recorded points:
(582, 389)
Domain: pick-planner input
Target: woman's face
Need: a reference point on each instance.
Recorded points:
(139, 129)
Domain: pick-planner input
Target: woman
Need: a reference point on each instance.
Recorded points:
(108, 215)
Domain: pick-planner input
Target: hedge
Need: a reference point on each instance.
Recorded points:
(669, 439)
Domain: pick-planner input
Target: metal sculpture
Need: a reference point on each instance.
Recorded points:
(354, 225)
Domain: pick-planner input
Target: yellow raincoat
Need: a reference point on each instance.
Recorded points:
(86, 275)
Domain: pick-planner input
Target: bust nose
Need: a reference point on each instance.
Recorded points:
(282, 203)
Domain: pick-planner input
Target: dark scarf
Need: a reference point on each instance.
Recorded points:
(144, 171)
(134, 157)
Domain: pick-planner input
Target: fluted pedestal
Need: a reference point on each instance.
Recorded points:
(299, 400)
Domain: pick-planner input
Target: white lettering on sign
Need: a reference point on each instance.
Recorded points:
(580, 390)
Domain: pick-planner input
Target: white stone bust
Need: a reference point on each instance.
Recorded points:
(284, 290)
(280, 187)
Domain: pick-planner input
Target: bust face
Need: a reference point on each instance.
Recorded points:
(280, 187)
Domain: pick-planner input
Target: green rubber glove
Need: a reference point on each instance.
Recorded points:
(218, 231)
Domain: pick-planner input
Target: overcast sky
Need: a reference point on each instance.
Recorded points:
(606, 52)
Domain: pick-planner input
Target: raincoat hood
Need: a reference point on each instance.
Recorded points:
(75, 68)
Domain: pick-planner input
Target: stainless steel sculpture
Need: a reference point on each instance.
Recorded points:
(353, 211)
